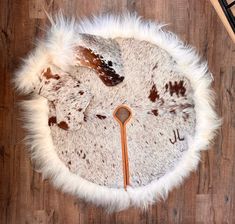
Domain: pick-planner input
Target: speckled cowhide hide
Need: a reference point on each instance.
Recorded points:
(162, 84)
(109, 73)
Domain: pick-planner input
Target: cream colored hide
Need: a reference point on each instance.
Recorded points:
(110, 73)
(120, 110)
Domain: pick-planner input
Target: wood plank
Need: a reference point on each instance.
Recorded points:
(223, 18)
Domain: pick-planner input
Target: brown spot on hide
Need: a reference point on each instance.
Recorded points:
(108, 75)
(63, 125)
(153, 94)
(155, 66)
(166, 87)
(185, 116)
(80, 109)
(176, 87)
(81, 92)
(52, 120)
(186, 105)
(57, 86)
(48, 74)
(110, 63)
(101, 117)
(155, 112)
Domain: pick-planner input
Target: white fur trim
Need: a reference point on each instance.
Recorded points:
(57, 50)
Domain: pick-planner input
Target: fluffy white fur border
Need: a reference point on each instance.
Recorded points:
(57, 49)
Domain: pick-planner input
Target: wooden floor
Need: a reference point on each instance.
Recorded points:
(207, 196)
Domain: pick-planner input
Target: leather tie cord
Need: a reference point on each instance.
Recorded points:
(123, 114)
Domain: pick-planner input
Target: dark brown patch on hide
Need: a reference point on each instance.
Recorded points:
(52, 120)
(177, 88)
(155, 66)
(153, 94)
(94, 61)
(110, 63)
(78, 82)
(155, 112)
(63, 125)
(101, 117)
(48, 74)
(81, 92)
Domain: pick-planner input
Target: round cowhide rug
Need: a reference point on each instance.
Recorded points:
(120, 109)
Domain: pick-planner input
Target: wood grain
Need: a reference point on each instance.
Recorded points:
(223, 18)
(207, 196)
